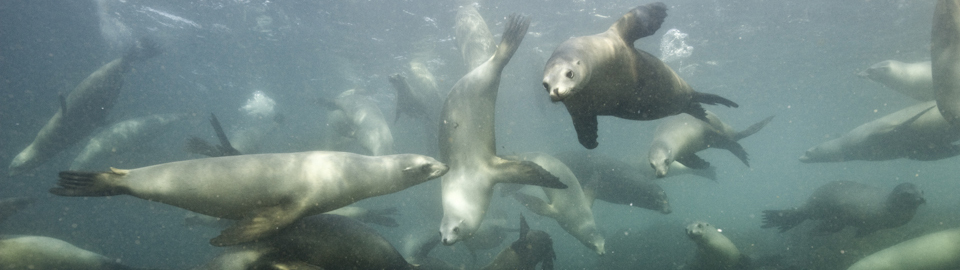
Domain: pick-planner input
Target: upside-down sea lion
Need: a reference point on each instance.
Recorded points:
(23, 252)
(371, 129)
(533, 247)
(123, 137)
(917, 132)
(680, 137)
(467, 143)
(83, 110)
(945, 59)
(911, 79)
(714, 250)
(265, 192)
(939, 250)
(604, 74)
(844, 203)
(570, 207)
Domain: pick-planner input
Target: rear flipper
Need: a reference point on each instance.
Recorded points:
(696, 109)
(732, 146)
(525, 172)
(91, 184)
(783, 219)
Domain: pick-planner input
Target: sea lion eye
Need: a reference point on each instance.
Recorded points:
(456, 229)
(570, 74)
(546, 86)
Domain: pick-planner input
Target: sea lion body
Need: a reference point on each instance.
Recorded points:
(475, 41)
(917, 132)
(534, 247)
(82, 111)
(337, 242)
(935, 251)
(38, 252)
(914, 80)
(604, 74)
(945, 59)
(844, 203)
(714, 250)
(467, 144)
(615, 181)
(680, 137)
(123, 137)
(570, 207)
(265, 191)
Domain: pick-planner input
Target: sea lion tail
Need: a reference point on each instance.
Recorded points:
(641, 21)
(91, 184)
(513, 34)
(752, 129)
(782, 219)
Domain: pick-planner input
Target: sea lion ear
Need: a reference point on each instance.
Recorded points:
(578, 62)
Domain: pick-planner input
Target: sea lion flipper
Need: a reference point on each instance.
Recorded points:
(525, 172)
(732, 146)
(752, 129)
(536, 205)
(259, 223)
(225, 148)
(640, 21)
(200, 146)
(693, 161)
(586, 127)
(712, 99)
(90, 184)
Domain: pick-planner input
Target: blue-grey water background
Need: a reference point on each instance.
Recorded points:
(794, 59)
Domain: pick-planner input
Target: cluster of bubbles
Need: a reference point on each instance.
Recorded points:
(673, 46)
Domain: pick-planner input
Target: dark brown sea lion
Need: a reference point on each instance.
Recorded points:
(533, 247)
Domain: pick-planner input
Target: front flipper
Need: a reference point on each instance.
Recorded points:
(261, 222)
(693, 161)
(536, 205)
(524, 172)
(586, 127)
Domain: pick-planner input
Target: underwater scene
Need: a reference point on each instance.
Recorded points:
(479, 134)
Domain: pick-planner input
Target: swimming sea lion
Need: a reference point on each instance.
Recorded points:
(911, 79)
(844, 203)
(371, 129)
(12, 205)
(83, 110)
(937, 250)
(265, 192)
(615, 181)
(918, 132)
(467, 144)
(473, 36)
(123, 137)
(533, 247)
(714, 250)
(569, 206)
(38, 252)
(680, 137)
(337, 242)
(604, 74)
(945, 59)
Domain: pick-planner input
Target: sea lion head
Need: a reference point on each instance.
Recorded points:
(423, 168)
(453, 230)
(660, 159)
(907, 195)
(564, 76)
(825, 152)
(597, 243)
(698, 229)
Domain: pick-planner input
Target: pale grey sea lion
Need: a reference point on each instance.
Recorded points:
(473, 36)
(932, 251)
(945, 58)
(23, 252)
(123, 137)
(680, 137)
(714, 250)
(910, 79)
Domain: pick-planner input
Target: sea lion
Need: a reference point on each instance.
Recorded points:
(615, 181)
(12, 205)
(467, 144)
(533, 247)
(265, 192)
(680, 137)
(369, 125)
(24, 252)
(945, 59)
(911, 79)
(337, 242)
(473, 36)
(604, 74)
(939, 250)
(83, 110)
(570, 207)
(122, 137)
(714, 250)
(844, 203)
(918, 132)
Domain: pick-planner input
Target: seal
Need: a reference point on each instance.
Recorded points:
(265, 192)
(714, 250)
(24, 252)
(569, 207)
(369, 126)
(12, 205)
(83, 110)
(533, 247)
(473, 36)
(320, 241)
(123, 137)
(918, 132)
(467, 144)
(910, 79)
(615, 181)
(945, 59)
(937, 250)
(844, 203)
(680, 137)
(604, 74)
